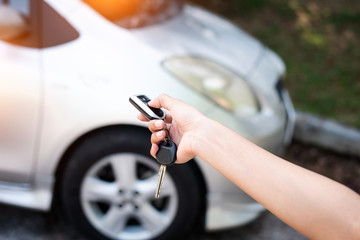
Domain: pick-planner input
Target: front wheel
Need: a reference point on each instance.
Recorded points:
(109, 184)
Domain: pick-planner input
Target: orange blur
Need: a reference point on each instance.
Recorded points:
(115, 9)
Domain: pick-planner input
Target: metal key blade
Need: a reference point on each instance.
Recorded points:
(161, 176)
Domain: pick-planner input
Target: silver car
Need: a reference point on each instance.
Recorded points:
(70, 138)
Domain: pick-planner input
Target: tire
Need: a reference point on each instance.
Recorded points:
(108, 186)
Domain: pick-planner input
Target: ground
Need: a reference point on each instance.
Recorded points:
(341, 168)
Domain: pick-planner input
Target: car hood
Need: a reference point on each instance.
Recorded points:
(197, 32)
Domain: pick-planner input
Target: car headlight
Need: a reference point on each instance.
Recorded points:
(216, 82)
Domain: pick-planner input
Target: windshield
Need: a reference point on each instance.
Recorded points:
(136, 13)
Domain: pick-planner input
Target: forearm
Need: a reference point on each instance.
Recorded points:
(310, 203)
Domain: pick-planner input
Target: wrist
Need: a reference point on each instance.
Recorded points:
(204, 137)
(214, 142)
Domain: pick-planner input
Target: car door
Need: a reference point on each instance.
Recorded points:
(20, 88)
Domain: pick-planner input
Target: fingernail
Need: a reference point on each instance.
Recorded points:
(158, 124)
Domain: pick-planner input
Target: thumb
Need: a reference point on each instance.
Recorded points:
(163, 101)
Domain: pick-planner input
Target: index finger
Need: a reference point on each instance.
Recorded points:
(142, 118)
(168, 117)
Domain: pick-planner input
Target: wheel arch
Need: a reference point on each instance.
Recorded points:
(64, 160)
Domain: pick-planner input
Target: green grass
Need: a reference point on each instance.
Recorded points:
(319, 42)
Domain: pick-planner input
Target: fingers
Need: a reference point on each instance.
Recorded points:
(156, 138)
(142, 118)
(168, 117)
(154, 149)
(156, 125)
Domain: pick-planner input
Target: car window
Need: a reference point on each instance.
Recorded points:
(15, 21)
(33, 24)
(136, 13)
(22, 6)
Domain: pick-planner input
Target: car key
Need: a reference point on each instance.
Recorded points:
(166, 156)
(140, 102)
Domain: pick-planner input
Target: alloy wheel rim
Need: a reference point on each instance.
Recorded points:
(117, 197)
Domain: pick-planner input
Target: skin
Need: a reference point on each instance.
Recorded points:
(315, 206)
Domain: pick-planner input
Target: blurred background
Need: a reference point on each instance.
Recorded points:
(319, 42)
(87, 84)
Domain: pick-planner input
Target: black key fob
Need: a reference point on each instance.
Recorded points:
(166, 154)
(140, 102)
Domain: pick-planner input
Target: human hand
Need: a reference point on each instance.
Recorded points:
(183, 122)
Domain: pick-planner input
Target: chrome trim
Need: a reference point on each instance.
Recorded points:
(37, 196)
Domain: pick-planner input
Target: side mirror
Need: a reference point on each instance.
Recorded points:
(12, 24)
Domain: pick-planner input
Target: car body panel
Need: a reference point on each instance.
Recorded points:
(21, 96)
(268, 129)
(103, 99)
(90, 90)
(200, 33)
